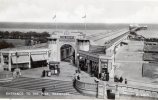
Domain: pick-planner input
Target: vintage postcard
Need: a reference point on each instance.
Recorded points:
(79, 49)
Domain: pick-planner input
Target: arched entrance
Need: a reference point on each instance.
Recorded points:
(67, 53)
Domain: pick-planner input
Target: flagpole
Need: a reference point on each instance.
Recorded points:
(54, 18)
(55, 25)
(85, 25)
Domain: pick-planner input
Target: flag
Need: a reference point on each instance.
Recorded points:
(84, 16)
(54, 16)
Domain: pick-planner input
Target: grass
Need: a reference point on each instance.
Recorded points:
(15, 42)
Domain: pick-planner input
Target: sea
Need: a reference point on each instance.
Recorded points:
(91, 28)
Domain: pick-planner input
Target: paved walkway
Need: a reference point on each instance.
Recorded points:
(130, 61)
(67, 72)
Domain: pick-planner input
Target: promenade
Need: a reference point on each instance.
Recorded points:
(130, 60)
(67, 73)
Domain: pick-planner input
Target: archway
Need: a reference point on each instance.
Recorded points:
(67, 53)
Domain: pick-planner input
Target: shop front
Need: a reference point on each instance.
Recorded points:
(38, 60)
(89, 64)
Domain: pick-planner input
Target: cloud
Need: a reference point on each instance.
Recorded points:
(147, 14)
(73, 10)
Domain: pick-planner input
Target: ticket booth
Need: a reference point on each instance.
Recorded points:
(54, 67)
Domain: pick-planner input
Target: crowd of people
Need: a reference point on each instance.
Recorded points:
(120, 79)
(48, 73)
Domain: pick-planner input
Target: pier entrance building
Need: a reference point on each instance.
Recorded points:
(64, 45)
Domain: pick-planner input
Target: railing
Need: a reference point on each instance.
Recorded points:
(138, 91)
(123, 89)
(86, 88)
(132, 90)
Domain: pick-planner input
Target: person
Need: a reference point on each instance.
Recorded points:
(58, 71)
(14, 74)
(74, 82)
(78, 77)
(125, 81)
(121, 79)
(76, 74)
(43, 91)
(43, 73)
(115, 78)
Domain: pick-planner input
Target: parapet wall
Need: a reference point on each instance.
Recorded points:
(86, 88)
(134, 91)
(121, 90)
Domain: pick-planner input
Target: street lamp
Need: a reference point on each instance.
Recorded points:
(97, 81)
(17, 56)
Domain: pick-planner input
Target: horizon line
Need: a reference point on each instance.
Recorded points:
(77, 22)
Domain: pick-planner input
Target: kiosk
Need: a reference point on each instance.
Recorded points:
(54, 67)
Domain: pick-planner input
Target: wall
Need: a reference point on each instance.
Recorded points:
(134, 91)
(86, 88)
(54, 51)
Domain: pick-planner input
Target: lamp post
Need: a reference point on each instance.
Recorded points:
(114, 53)
(97, 81)
(16, 54)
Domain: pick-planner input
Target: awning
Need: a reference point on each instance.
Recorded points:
(54, 62)
(104, 60)
(39, 57)
(20, 59)
(125, 43)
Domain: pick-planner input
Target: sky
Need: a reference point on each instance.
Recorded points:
(72, 11)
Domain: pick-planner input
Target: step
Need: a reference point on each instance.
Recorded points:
(37, 84)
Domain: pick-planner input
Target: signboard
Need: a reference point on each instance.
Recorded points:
(39, 52)
(20, 53)
(67, 39)
(93, 58)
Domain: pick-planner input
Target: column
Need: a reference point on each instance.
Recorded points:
(111, 74)
(117, 92)
(29, 60)
(2, 62)
(88, 67)
(104, 91)
(64, 53)
(9, 62)
(47, 56)
(99, 66)
(2, 59)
